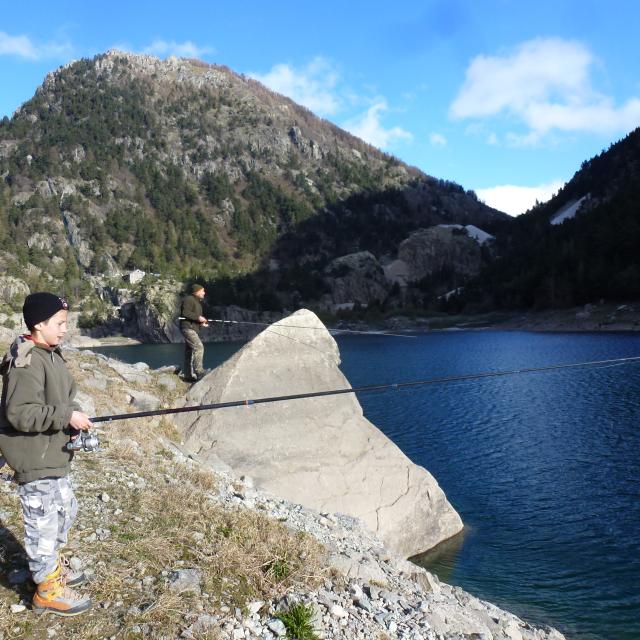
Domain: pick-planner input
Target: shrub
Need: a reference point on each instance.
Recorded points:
(298, 621)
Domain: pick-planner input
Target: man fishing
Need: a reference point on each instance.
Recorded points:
(190, 323)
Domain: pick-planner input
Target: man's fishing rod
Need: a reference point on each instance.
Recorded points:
(295, 326)
(377, 387)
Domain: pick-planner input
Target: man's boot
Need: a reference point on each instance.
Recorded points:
(54, 596)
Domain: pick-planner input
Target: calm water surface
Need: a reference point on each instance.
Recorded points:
(544, 468)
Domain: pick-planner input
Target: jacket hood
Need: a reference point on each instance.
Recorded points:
(19, 354)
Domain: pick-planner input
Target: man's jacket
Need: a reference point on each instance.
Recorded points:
(191, 309)
(37, 402)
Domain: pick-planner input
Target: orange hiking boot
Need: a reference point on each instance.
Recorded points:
(55, 597)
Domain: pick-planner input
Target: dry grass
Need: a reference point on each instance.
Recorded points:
(161, 516)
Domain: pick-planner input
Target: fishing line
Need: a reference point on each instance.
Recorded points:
(377, 387)
(295, 326)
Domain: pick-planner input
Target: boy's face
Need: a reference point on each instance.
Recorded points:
(51, 331)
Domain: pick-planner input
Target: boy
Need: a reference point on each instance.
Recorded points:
(37, 415)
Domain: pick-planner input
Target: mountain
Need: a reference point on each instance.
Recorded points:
(190, 170)
(581, 246)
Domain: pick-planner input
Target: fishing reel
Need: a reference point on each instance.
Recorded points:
(83, 441)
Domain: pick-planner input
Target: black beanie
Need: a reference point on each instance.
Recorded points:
(196, 287)
(40, 306)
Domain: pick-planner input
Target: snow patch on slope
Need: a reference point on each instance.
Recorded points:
(568, 211)
(474, 232)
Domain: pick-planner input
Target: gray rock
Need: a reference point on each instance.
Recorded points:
(512, 630)
(168, 382)
(129, 373)
(12, 289)
(356, 590)
(356, 278)
(99, 381)
(185, 581)
(86, 403)
(319, 452)
(203, 625)
(254, 607)
(277, 626)
(144, 401)
(388, 596)
(380, 618)
(363, 603)
(428, 251)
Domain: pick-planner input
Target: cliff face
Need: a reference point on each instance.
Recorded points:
(427, 252)
(320, 452)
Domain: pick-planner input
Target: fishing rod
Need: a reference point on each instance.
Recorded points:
(295, 326)
(377, 387)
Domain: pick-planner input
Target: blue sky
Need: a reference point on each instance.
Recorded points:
(504, 97)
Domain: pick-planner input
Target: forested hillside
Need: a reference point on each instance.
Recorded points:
(190, 170)
(591, 256)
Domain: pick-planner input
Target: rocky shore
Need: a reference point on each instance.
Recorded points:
(368, 592)
(146, 323)
(175, 549)
(597, 317)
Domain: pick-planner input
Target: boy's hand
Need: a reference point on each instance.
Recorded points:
(80, 421)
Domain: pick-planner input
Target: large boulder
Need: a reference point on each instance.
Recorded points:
(357, 278)
(430, 251)
(319, 452)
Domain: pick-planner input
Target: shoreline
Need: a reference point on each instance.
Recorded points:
(87, 343)
(350, 582)
(600, 318)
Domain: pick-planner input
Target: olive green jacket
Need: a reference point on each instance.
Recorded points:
(37, 402)
(191, 310)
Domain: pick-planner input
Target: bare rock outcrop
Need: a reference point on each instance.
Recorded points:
(12, 288)
(320, 452)
(357, 278)
(430, 251)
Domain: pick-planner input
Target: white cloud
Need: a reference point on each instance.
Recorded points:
(187, 49)
(368, 127)
(313, 85)
(515, 200)
(438, 140)
(22, 47)
(317, 86)
(546, 85)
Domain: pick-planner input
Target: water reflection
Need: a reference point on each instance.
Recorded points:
(441, 560)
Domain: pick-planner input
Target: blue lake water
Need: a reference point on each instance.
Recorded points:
(544, 468)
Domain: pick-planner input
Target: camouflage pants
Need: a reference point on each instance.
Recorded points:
(49, 508)
(193, 353)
